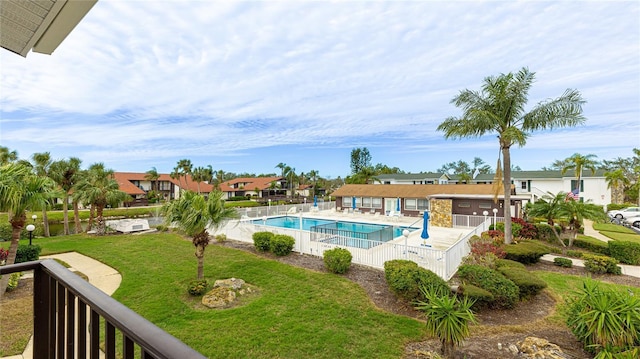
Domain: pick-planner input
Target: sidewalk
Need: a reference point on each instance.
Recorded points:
(99, 274)
(633, 271)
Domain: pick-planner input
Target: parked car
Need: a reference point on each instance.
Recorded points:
(625, 213)
(633, 221)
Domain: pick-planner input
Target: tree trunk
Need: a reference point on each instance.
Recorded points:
(76, 217)
(100, 228)
(65, 211)
(506, 181)
(92, 211)
(45, 223)
(200, 256)
(16, 227)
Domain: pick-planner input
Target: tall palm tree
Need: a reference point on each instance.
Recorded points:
(282, 167)
(101, 189)
(42, 165)
(186, 169)
(66, 174)
(194, 215)
(313, 175)
(20, 190)
(578, 162)
(499, 109)
(616, 180)
(199, 175)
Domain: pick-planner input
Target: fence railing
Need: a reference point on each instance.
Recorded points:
(444, 263)
(67, 314)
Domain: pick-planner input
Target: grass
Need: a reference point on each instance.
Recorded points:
(299, 313)
(16, 324)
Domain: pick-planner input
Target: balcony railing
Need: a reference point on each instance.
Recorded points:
(67, 313)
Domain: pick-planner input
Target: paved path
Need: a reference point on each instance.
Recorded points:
(589, 231)
(99, 274)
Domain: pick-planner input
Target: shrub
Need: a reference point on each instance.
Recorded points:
(5, 231)
(574, 254)
(197, 287)
(604, 320)
(527, 229)
(501, 263)
(484, 251)
(601, 264)
(282, 244)
(528, 283)
(527, 252)
(482, 298)
(337, 260)
(221, 238)
(545, 232)
(504, 291)
(405, 278)
(262, 240)
(14, 279)
(162, 228)
(625, 252)
(448, 318)
(563, 262)
(515, 228)
(592, 244)
(27, 253)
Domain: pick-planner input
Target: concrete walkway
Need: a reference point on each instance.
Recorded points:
(99, 274)
(589, 231)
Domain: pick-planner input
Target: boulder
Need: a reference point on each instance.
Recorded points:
(532, 347)
(225, 292)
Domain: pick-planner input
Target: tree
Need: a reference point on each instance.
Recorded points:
(186, 169)
(7, 156)
(578, 162)
(101, 189)
(42, 165)
(631, 169)
(152, 175)
(313, 175)
(366, 175)
(560, 209)
(499, 108)
(20, 190)
(66, 174)
(616, 181)
(360, 159)
(199, 175)
(281, 166)
(193, 214)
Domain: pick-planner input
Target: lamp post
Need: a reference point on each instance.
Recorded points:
(269, 208)
(30, 229)
(495, 212)
(485, 214)
(405, 233)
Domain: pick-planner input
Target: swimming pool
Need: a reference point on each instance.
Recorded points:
(363, 235)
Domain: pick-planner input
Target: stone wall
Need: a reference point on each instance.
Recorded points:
(440, 212)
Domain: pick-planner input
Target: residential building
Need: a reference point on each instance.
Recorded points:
(260, 187)
(137, 186)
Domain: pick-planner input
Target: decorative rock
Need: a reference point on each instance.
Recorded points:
(533, 347)
(224, 292)
(513, 349)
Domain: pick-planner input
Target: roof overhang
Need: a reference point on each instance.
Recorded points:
(40, 26)
(478, 196)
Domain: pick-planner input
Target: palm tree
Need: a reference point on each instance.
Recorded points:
(42, 165)
(65, 174)
(153, 176)
(7, 156)
(101, 189)
(20, 190)
(186, 169)
(499, 109)
(560, 209)
(194, 214)
(313, 175)
(366, 175)
(616, 180)
(578, 162)
(282, 167)
(199, 175)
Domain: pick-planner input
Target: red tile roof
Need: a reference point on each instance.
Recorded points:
(124, 180)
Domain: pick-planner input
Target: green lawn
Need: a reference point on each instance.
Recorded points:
(617, 232)
(298, 314)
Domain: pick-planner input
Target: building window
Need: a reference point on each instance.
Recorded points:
(464, 205)
(485, 205)
(346, 202)
(523, 185)
(410, 204)
(574, 185)
(366, 202)
(423, 204)
(376, 202)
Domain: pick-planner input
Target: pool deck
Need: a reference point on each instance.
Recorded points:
(439, 237)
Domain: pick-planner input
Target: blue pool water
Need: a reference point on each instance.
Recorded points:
(307, 223)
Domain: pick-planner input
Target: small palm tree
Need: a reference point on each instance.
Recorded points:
(193, 214)
(448, 318)
(66, 174)
(42, 166)
(616, 180)
(20, 190)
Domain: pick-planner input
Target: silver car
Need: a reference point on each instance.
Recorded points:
(625, 213)
(633, 221)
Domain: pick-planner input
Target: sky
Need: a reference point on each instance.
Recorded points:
(244, 86)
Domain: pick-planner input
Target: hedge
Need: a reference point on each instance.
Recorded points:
(501, 263)
(526, 252)
(625, 252)
(528, 283)
(262, 240)
(601, 264)
(504, 291)
(482, 298)
(405, 278)
(592, 245)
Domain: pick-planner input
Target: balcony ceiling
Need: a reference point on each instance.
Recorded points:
(39, 25)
